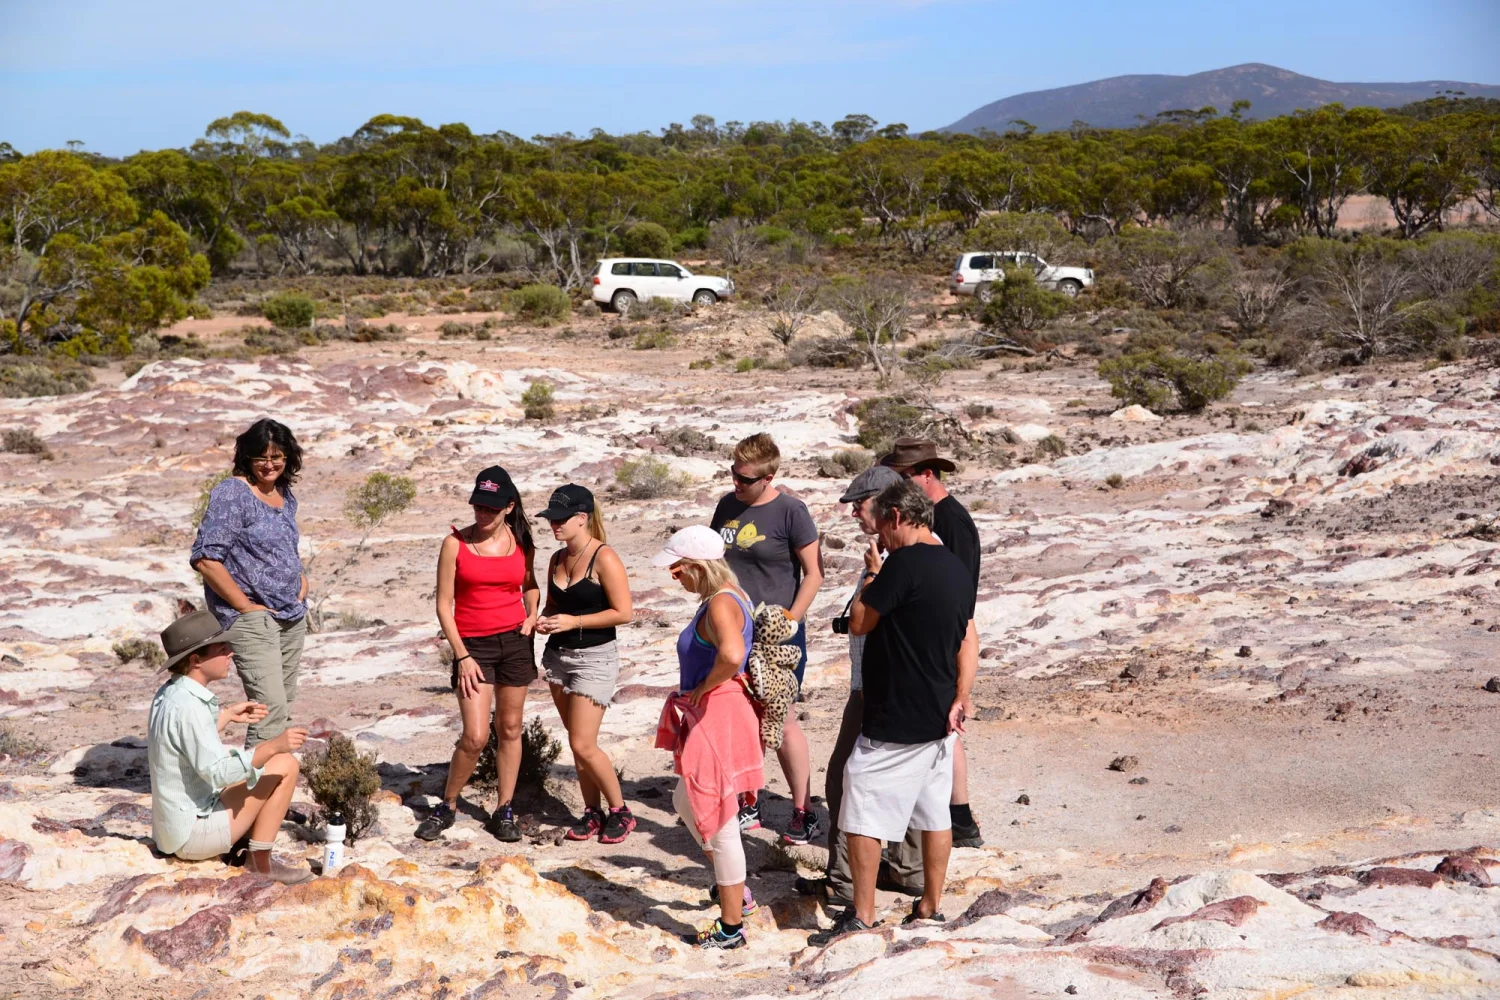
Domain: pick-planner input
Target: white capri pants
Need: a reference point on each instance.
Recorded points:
(727, 849)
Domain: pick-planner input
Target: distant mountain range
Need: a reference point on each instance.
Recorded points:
(1117, 101)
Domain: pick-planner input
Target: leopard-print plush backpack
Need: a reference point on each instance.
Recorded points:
(772, 671)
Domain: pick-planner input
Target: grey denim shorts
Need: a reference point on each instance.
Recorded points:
(591, 672)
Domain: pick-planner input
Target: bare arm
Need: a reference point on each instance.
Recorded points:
(468, 671)
(862, 618)
(968, 667)
(725, 624)
(810, 556)
(531, 598)
(216, 576)
(548, 609)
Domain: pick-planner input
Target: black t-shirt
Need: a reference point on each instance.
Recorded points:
(925, 601)
(952, 523)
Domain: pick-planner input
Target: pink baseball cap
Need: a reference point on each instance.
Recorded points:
(697, 541)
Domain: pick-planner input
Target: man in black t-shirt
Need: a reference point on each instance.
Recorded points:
(920, 658)
(919, 461)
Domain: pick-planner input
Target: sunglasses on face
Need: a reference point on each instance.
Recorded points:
(745, 480)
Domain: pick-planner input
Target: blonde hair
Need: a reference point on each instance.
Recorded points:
(760, 452)
(709, 576)
(596, 523)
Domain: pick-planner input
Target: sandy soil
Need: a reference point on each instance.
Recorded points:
(1282, 614)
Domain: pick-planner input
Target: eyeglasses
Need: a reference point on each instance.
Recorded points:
(745, 480)
(267, 460)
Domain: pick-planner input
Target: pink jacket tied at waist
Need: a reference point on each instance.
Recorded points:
(717, 761)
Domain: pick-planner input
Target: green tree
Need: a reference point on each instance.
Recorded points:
(1166, 381)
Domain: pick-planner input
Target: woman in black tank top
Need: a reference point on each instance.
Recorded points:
(588, 595)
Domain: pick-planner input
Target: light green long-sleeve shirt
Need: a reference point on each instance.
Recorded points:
(189, 765)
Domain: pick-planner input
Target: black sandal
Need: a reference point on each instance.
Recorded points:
(912, 917)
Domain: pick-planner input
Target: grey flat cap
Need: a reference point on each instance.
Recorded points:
(870, 482)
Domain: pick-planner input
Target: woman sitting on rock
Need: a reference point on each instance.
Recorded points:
(710, 725)
(246, 552)
(487, 600)
(206, 796)
(588, 595)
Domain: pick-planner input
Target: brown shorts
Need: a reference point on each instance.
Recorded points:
(505, 658)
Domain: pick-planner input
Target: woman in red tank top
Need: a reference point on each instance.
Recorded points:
(487, 598)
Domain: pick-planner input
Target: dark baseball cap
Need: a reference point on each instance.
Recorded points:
(568, 501)
(493, 488)
(870, 482)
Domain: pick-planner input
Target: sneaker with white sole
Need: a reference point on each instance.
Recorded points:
(715, 939)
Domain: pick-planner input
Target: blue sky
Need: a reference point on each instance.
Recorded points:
(127, 76)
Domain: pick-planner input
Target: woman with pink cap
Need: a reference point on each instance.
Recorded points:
(710, 725)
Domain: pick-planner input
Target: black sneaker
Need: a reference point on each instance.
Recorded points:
(436, 822)
(967, 835)
(588, 825)
(502, 825)
(749, 817)
(823, 890)
(847, 924)
(617, 826)
(804, 829)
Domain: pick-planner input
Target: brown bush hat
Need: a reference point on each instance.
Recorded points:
(189, 634)
(908, 452)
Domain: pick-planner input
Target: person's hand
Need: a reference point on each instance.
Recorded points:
(547, 624)
(789, 616)
(956, 716)
(253, 607)
(244, 713)
(872, 557)
(469, 677)
(696, 695)
(529, 625)
(290, 740)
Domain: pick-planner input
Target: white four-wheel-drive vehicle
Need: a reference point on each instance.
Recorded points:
(621, 282)
(976, 273)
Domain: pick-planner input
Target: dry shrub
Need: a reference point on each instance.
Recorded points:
(24, 441)
(1163, 380)
(539, 751)
(648, 478)
(541, 304)
(845, 463)
(148, 651)
(537, 400)
(16, 746)
(684, 441)
(454, 330)
(344, 781)
(20, 381)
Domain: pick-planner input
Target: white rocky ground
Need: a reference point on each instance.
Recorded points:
(1283, 615)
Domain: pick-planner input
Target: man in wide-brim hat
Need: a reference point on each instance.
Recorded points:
(917, 459)
(206, 796)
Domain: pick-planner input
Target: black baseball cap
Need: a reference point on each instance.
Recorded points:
(493, 488)
(568, 501)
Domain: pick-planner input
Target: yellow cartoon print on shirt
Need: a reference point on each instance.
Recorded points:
(741, 538)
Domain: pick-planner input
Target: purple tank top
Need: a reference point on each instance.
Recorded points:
(695, 658)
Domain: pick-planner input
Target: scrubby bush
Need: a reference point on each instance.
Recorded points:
(453, 330)
(381, 495)
(344, 781)
(654, 340)
(24, 441)
(1019, 304)
(1114, 481)
(1037, 233)
(735, 241)
(1050, 446)
(263, 341)
(647, 478)
(1165, 381)
(542, 305)
(1359, 296)
(539, 751)
(882, 419)
(825, 352)
(24, 380)
(845, 463)
(1166, 268)
(16, 746)
(289, 311)
(683, 441)
(878, 312)
(205, 489)
(148, 651)
(536, 401)
(647, 239)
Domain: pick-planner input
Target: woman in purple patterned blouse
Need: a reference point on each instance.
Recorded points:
(246, 552)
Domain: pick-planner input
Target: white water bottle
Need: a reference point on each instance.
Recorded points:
(333, 846)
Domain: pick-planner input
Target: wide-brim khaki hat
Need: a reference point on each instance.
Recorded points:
(189, 634)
